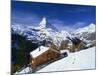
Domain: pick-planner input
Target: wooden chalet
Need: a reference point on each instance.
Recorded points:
(43, 55)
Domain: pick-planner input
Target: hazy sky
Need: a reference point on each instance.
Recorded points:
(59, 15)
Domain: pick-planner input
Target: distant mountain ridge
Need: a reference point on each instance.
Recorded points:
(46, 31)
(88, 33)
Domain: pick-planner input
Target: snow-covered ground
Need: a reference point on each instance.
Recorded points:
(84, 59)
(81, 60)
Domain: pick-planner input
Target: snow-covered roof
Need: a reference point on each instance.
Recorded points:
(38, 51)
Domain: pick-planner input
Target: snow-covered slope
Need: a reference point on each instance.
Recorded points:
(89, 29)
(84, 59)
(18, 28)
(24, 31)
(81, 60)
(87, 32)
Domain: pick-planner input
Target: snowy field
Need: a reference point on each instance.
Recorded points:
(84, 59)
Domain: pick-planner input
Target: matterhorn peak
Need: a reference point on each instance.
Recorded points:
(43, 23)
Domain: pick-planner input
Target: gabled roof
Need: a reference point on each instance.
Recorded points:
(38, 51)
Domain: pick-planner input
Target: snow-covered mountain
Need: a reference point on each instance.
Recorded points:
(88, 33)
(46, 31)
(89, 29)
(44, 24)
